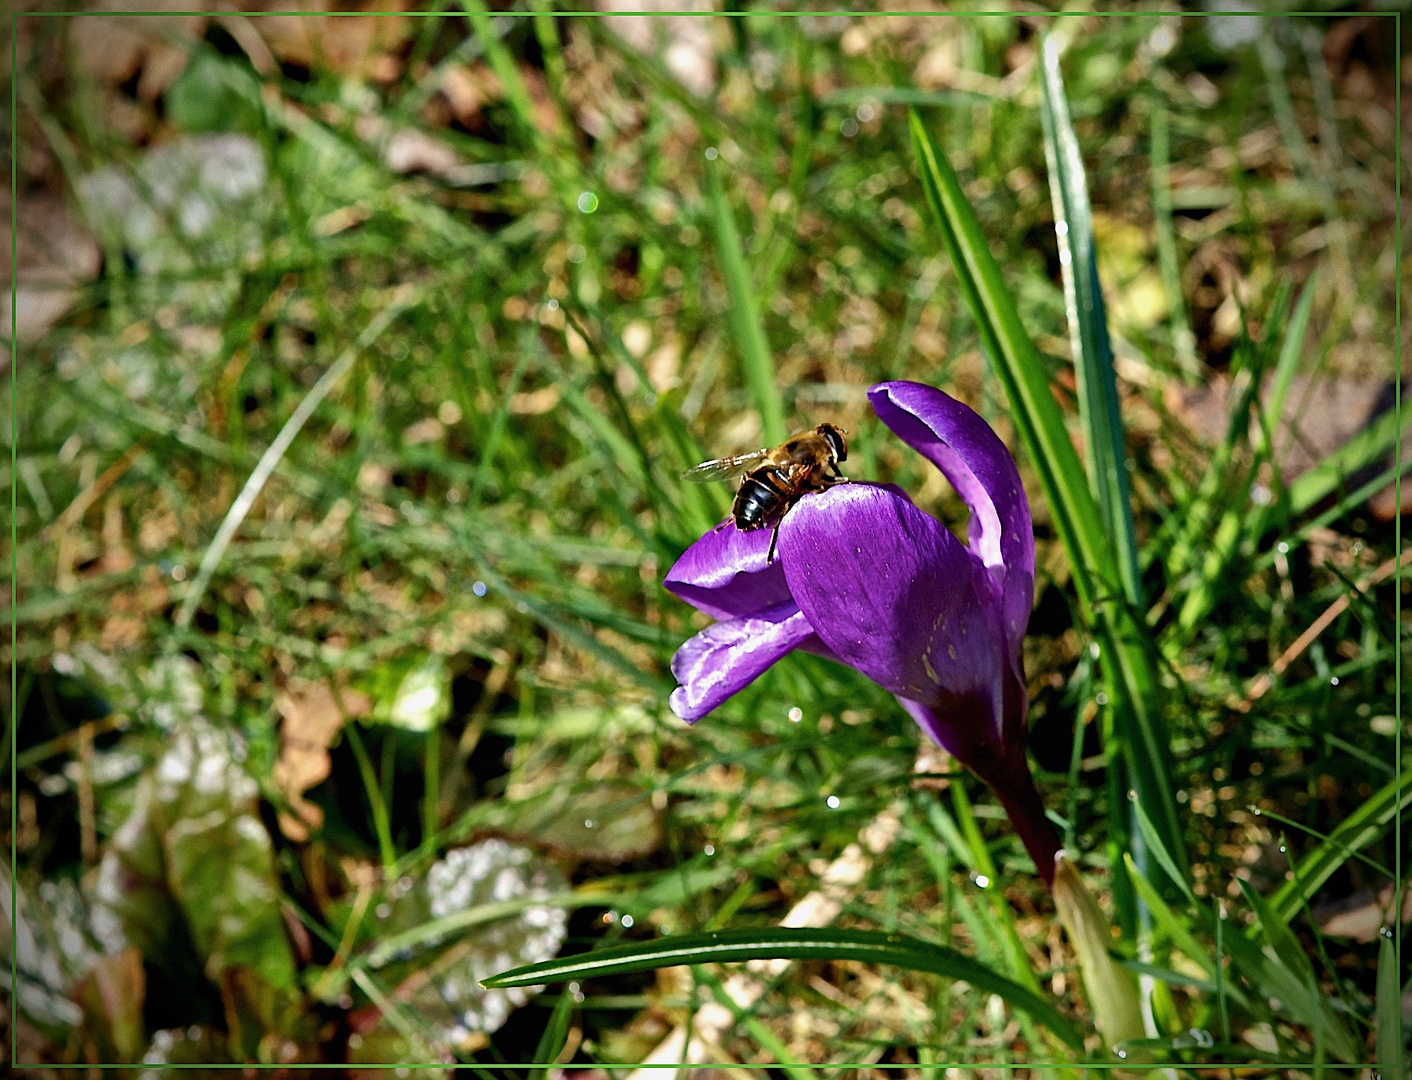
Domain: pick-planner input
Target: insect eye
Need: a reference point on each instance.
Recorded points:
(834, 437)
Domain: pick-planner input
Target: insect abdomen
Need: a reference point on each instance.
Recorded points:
(757, 501)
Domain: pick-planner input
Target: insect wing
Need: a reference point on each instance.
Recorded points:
(722, 468)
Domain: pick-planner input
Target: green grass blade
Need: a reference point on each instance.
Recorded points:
(771, 1043)
(503, 64)
(498, 422)
(1159, 850)
(1088, 321)
(1389, 1012)
(556, 1030)
(1075, 515)
(1020, 965)
(1291, 349)
(745, 319)
(1282, 971)
(1167, 920)
(737, 946)
(381, 820)
(1377, 438)
(1361, 827)
(1354, 498)
(1033, 409)
(1182, 939)
(1183, 340)
(445, 927)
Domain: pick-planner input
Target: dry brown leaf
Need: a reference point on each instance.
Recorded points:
(120, 632)
(113, 50)
(469, 89)
(112, 995)
(1315, 423)
(352, 46)
(312, 715)
(1362, 915)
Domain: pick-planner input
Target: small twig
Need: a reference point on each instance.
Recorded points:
(350, 935)
(1261, 686)
(402, 298)
(87, 823)
(63, 743)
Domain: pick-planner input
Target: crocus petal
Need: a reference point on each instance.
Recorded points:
(725, 574)
(893, 593)
(944, 734)
(728, 656)
(958, 442)
(961, 725)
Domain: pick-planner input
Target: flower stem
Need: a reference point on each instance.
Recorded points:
(1014, 787)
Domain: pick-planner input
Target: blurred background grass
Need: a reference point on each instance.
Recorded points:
(441, 619)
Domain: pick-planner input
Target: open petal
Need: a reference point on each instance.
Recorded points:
(728, 656)
(958, 442)
(894, 594)
(725, 574)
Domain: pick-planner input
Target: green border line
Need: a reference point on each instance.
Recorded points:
(789, 14)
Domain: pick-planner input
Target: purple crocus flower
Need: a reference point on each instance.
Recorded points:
(864, 577)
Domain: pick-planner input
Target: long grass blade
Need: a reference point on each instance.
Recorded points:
(1159, 850)
(1388, 1011)
(1360, 828)
(1088, 321)
(745, 319)
(1168, 921)
(1034, 411)
(1360, 451)
(1076, 517)
(556, 1031)
(1291, 348)
(1183, 340)
(498, 422)
(777, 943)
(1282, 971)
(402, 298)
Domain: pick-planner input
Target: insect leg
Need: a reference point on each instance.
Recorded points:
(774, 536)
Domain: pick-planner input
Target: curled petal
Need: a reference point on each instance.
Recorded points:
(893, 593)
(958, 442)
(725, 574)
(728, 656)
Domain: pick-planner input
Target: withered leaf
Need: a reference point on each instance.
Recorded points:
(312, 716)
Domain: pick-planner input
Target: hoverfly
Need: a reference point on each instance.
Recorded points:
(777, 478)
